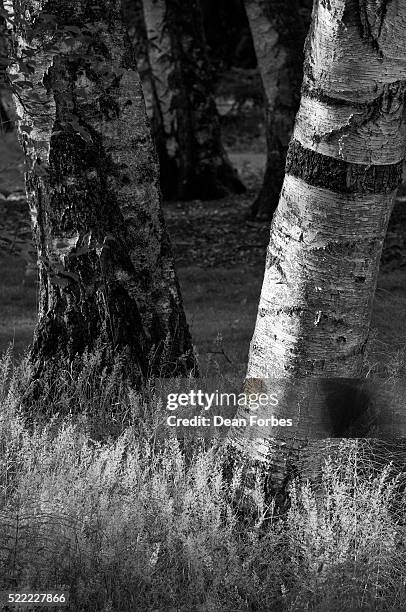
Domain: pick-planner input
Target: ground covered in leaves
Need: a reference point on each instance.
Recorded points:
(204, 233)
(219, 254)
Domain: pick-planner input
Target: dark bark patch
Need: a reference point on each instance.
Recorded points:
(342, 177)
(318, 94)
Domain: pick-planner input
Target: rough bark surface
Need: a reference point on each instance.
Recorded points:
(278, 30)
(105, 266)
(342, 172)
(198, 163)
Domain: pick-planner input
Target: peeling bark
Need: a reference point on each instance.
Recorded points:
(106, 271)
(194, 155)
(278, 31)
(342, 172)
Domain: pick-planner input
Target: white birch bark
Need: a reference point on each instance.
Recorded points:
(343, 168)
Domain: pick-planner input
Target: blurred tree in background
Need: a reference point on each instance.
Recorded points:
(228, 34)
(180, 81)
(6, 122)
(279, 29)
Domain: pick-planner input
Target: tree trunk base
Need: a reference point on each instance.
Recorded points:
(306, 462)
(213, 183)
(270, 477)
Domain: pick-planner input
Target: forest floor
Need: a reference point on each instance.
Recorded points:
(220, 258)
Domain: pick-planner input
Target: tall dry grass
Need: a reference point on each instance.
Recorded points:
(94, 502)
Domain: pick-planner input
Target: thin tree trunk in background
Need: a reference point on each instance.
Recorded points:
(343, 168)
(134, 16)
(158, 53)
(106, 272)
(183, 81)
(6, 122)
(278, 30)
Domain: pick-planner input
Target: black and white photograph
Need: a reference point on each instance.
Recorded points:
(203, 305)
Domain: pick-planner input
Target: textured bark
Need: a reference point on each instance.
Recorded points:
(197, 161)
(278, 30)
(105, 266)
(342, 172)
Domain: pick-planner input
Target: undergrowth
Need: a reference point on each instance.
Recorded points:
(94, 502)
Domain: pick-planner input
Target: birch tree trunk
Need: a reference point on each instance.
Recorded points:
(6, 123)
(344, 165)
(106, 275)
(134, 12)
(278, 30)
(183, 81)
